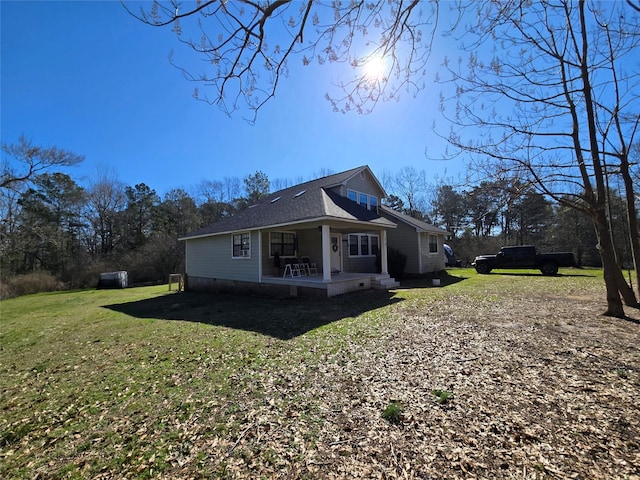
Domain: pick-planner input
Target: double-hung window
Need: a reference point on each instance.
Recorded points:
(282, 243)
(363, 245)
(241, 245)
(433, 244)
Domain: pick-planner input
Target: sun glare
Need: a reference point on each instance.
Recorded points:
(374, 69)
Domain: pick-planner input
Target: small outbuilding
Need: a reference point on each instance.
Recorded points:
(118, 279)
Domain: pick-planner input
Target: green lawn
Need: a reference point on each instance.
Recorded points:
(143, 382)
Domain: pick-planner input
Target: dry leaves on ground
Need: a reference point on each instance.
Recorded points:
(540, 388)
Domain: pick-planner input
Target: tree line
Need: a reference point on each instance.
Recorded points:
(52, 224)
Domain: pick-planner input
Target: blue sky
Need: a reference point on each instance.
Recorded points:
(88, 77)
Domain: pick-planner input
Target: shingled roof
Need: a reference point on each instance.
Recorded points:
(419, 225)
(301, 203)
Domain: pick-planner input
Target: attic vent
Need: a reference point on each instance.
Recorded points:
(275, 199)
(301, 192)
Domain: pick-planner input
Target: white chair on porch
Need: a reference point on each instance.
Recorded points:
(293, 268)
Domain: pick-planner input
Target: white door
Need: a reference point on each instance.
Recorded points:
(336, 264)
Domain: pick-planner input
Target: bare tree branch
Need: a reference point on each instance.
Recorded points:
(247, 45)
(31, 160)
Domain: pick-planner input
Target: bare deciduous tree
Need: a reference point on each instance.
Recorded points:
(247, 46)
(105, 201)
(555, 100)
(32, 160)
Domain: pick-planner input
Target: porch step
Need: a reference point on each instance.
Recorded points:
(384, 282)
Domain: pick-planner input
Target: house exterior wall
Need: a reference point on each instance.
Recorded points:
(415, 245)
(405, 238)
(363, 183)
(310, 244)
(358, 264)
(432, 262)
(211, 257)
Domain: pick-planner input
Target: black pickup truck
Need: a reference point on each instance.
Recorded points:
(523, 257)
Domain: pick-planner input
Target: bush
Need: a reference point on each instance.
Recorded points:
(397, 261)
(29, 283)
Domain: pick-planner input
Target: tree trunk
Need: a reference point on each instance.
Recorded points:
(625, 290)
(632, 217)
(610, 267)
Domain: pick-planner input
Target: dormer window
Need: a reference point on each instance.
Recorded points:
(361, 198)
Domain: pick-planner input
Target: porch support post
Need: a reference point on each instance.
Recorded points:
(326, 252)
(383, 254)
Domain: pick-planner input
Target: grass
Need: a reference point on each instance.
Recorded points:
(393, 412)
(442, 396)
(103, 379)
(139, 382)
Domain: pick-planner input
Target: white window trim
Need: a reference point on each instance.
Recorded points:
(429, 244)
(241, 257)
(359, 235)
(367, 204)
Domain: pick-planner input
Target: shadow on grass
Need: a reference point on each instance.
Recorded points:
(445, 280)
(532, 274)
(282, 318)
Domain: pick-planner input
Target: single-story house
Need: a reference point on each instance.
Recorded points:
(327, 236)
(421, 242)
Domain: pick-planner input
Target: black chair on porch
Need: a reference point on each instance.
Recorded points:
(310, 267)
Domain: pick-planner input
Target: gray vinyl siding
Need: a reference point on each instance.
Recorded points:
(432, 262)
(358, 264)
(211, 257)
(405, 239)
(364, 184)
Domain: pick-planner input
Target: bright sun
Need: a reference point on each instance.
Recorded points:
(374, 69)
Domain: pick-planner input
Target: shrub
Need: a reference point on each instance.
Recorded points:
(397, 262)
(29, 283)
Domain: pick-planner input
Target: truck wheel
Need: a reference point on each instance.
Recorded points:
(483, 268)
(549, 268)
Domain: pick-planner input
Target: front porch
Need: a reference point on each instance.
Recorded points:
(338, 284)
